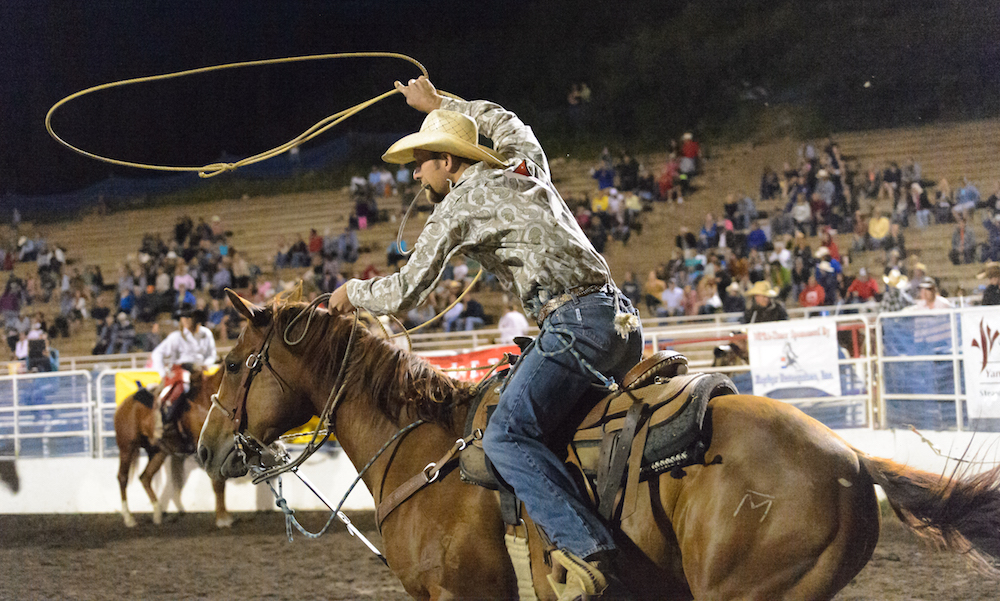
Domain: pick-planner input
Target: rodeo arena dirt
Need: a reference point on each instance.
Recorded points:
(95, 558)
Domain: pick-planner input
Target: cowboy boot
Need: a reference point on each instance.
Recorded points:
(586, 580)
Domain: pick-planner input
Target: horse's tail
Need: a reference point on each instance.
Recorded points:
(960, 513)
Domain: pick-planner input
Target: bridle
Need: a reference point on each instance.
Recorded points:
(249, 445)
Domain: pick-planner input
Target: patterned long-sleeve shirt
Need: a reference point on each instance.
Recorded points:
(511, 220)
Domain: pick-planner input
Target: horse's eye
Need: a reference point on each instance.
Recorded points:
(232, 366)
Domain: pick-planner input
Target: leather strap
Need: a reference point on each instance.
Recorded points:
(426, 476)
(619, 459)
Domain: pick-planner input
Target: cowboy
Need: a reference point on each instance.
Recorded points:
(500, 207)
(896, 298)
(763, 307)
(181, 355)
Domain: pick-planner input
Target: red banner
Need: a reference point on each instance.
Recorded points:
(461, 366)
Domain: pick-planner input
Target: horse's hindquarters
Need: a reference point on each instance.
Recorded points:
(783, 509)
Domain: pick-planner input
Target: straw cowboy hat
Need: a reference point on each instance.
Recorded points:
(826, 266)
(444, 131)
(822, 173)
(896, 279)
(761, 288)
(992, 271)
(821, 252)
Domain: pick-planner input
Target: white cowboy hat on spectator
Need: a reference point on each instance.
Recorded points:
(915, 186)
(928, 283)
(822, 173)
(761, 288)
(921, 267)
(862, 272)
(733, 288)
(444, 131)
(21, 241)
(825, 266)
(687, 136)
(171, 255)
(821, 252)
(896, 279)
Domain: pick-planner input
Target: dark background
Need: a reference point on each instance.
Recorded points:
(725, 69)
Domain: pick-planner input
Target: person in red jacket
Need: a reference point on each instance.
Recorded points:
(813, 294)
(863, 288)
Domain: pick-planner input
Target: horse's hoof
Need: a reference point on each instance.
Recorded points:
(224, 522)
(157, 517)
(129, 520)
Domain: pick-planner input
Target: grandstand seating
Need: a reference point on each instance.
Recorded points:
(944, 150)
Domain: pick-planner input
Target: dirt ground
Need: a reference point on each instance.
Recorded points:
(95, 558)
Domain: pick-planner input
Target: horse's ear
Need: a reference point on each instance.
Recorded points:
(292, 295)
(258, 316)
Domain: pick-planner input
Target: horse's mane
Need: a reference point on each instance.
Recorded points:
(397, 381)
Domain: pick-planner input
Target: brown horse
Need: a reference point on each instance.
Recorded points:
(786, 510)
(134, 424)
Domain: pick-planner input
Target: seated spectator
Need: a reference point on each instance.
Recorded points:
(963, 242)
(122, 335)
(919, 205)
(770, 187)
(802, 214)
(686, 241)
(780, 278)
(863, 289)
(966, 199)
(827, 241)
(993, 202)
(150, 340)
(991, 295)
(605, 176)
(756, 239)
(652, 290)
(733, 300)
(452, 315)
(812, 294)
(943, 202)
(878, 230)
(826, 275)
(667, 182)
(474, 315)
(991, 250)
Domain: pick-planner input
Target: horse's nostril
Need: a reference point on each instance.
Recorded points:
(204, 454)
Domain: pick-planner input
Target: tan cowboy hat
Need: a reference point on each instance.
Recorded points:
(826, 266)
(444, 131)
(992, 271)
(761, 288)
(896, 279)
(921, 267)
(733, 288)
(821, 252)
(822, 173)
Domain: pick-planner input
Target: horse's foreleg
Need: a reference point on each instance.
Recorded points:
(222, 517)
(125, 460)
(176, 482)
(155, 462)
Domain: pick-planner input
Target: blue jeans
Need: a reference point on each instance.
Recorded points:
(548, 386)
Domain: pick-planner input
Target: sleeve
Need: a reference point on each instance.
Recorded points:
(441, 238)
(212, 356)
(511, 137)
(161, 351)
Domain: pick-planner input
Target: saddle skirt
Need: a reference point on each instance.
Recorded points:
(652, 424)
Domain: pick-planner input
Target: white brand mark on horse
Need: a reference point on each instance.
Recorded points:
(757, 500)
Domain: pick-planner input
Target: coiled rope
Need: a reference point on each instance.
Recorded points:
(213, 169)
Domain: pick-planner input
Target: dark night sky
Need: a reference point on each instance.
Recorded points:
(52, 49)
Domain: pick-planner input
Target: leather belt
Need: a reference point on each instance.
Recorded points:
(573, 293)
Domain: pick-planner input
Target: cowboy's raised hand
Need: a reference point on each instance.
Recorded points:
(339, 303)
(421, 94)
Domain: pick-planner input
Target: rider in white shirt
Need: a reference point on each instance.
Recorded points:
(187, 350)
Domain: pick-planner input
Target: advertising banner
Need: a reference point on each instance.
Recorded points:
(794, 359)
(981, 353)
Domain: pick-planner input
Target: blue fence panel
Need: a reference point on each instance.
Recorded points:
(52, 415)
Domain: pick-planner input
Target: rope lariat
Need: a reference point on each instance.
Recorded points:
(213, 169)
